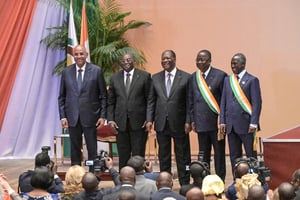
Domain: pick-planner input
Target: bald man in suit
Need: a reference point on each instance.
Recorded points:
(82, 104)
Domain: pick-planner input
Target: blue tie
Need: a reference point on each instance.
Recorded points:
(79, 79)
(169, 84)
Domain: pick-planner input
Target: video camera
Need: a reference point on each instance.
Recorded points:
(98, 164)
(258, 167)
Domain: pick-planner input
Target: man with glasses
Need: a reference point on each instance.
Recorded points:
(127, 105)
(206, 85)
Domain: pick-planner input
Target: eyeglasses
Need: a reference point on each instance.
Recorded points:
(128, 60)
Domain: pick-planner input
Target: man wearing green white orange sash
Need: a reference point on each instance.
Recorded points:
(240, 109)
(205, 90)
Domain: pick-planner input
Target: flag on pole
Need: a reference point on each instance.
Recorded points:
(84, 37)
(72, 38)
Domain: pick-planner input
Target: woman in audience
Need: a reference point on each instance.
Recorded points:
(41, 179)
(73, 184)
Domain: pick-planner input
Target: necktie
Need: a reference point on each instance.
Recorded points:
(79, 79)
(169, 84)
(127, 82)
(203, 75)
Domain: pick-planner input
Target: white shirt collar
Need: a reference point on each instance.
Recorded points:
(173, 72)
(241, 74)
(207, 71)
(83, 67)
(131, 73)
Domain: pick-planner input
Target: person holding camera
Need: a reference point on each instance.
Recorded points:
(41, 159)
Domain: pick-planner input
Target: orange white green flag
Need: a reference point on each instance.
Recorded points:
(84, 37)
(72, 38)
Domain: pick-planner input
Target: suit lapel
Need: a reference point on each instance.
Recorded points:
(244, 80)
(176, 82)
(210, 77)
(162, 81)
(74, 77)
(87, 74)
(120, 79)
(135, 77)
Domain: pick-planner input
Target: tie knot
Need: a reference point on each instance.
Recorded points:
(203, 75)
(128, 74)
(237, 77)
(169, 75)
(80, 70)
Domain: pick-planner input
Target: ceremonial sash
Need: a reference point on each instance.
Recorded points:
(239, 94)
(206, 93)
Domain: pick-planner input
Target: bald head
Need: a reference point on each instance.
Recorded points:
(164, 179)
(286, 191)
(127, 175)
(89, 181)
(195, 194)
(256, 192)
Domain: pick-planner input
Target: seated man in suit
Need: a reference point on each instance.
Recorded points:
(164, 184)
(127, 178)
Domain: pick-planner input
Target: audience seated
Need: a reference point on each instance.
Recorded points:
(41, 180)
(198, 171)
(256, 192)
(73, 182)
(195, 193)
(243, 184)
(212, 187)
(90, 184)
(149, 171)
(296, 183)
(142, 184)
(286, 191)
(41, 159)
(127, 195)
(127, 178)
(164, 184)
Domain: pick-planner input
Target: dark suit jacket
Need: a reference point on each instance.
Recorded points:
(164, 193)
(115, 193)
(135, 105)
(89, 103)
(232, 113)
(205, 119)
(174, 107)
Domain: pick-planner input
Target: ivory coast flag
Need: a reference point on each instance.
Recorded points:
(72, 38)
(84, 37)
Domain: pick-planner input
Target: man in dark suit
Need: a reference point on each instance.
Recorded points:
(167, 107)
(164, 184)
(127, 104)
(206, 85)
(240, 109)
(82, 104)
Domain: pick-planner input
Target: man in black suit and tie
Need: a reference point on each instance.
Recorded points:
(167, 107)
(82, 104)
(240, 109)
(206, 85)
(127, 104)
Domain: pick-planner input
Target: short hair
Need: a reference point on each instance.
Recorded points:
(42, 159)
(41, 178)
(286, 191)
(137, 163)
(206, 52)
(89, 181)
(172, 53)
(242, 57)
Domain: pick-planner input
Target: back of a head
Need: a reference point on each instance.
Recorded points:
(73, 179)
(240, 169)
(89, 182)
(256, 192)
(195, 193)
(127, 195)
(164, 179)
(212, 185)
(137, 163)
(286, 191)
(296, 178)
(42, 159)
(41, 178)
(198, 171)
(127, 175)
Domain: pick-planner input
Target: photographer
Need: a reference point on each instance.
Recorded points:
(198, 170)
(41, 159)
(245, 166)
(101, 164)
